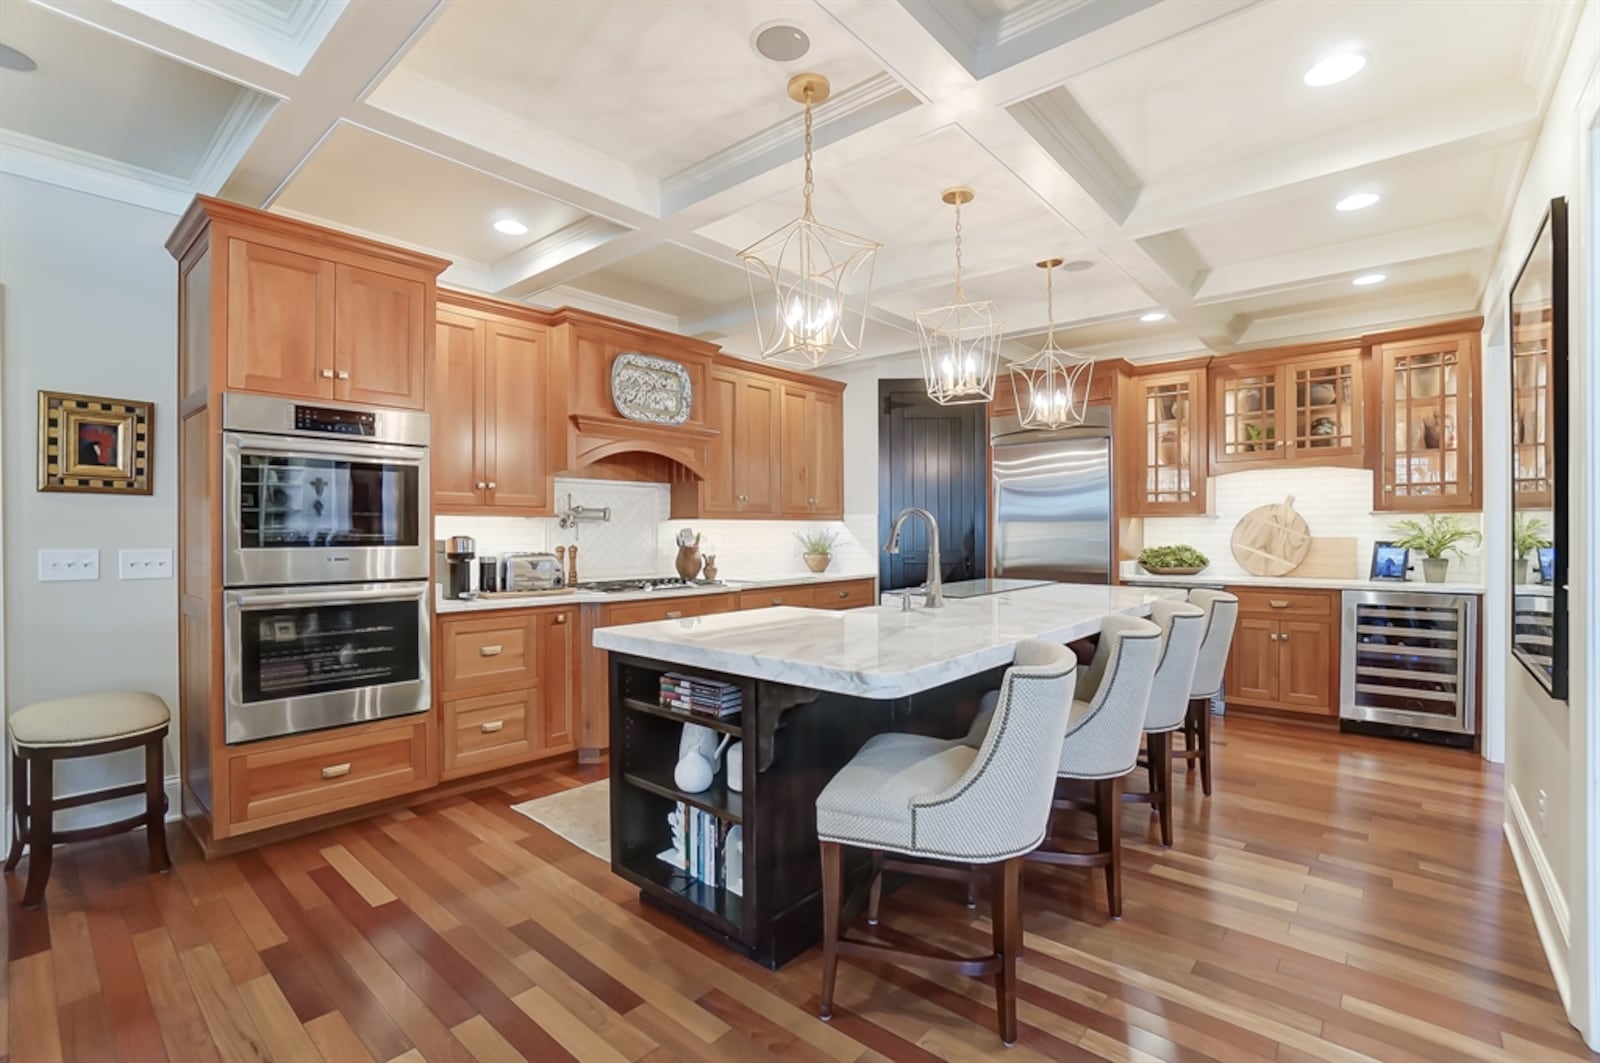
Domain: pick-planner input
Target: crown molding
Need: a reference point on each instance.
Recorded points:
(240, 126)
(565, 296)
(95, 175)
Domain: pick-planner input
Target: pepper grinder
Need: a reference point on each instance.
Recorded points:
(572, 564)
(561, 562)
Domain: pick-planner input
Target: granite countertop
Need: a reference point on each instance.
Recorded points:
(728, 586)
(879, 651)
(1204, 579)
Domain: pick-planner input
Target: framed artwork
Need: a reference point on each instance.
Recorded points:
(1389, 561)
(88, 443)
(1537, 322)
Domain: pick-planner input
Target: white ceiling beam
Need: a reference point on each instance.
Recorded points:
(1352, 317)
(285, 38)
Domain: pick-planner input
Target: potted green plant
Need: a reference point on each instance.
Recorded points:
(818, 546)
(1527, 534)
(1433, 537)
(1180, 560)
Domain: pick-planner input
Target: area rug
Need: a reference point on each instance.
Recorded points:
(581, 815)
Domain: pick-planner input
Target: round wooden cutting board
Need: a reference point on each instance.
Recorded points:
(1271, 540)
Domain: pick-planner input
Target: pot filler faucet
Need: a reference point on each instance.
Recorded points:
(935, 596)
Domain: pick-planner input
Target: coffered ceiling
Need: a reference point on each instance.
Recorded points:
(1171, 148)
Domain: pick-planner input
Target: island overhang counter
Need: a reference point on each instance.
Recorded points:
(812, 687)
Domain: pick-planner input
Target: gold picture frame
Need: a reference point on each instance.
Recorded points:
(92, 444)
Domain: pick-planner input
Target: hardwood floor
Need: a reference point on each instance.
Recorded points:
(1337, 899)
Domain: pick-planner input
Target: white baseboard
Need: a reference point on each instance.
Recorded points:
(1545, 897)
(89, 815)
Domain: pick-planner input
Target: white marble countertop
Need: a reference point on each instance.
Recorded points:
(1145, 579)
(729, 586)
(878, 651)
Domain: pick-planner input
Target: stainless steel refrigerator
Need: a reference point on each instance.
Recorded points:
(1052, 500)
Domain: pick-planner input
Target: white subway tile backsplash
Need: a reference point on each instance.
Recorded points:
(765, 549)
(1334, 502)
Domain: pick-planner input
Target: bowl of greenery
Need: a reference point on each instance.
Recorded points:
(1177, 560)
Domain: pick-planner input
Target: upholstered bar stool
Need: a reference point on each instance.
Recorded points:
(86, 726)
(1182, 628)
(1222, 614)
(932, 800)
(1102, 742)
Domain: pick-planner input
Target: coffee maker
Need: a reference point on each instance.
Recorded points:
(458, 551)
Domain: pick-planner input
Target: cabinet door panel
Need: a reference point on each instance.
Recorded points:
(1253, 661)
(719, 493)
(1427, 434)
(280, 321)
(1247, 417)
(488, 731)
(757, 422)
(1160, 436)
(457, 413)
(827, 457)
(557, 664)
(381, 339)
(517, 382)
(1305, 666)
(794, 451)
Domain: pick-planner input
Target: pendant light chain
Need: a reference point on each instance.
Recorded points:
(961, 295)
(809, 185)
(1050, 305)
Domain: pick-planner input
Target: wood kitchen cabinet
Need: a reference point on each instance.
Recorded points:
(1532, 413)
(832, 594)
(303, 325)
(1160, 431)
(1427, 426)
(1285, 651)
(496, 429)
(743, 476)
(811, 452)
(1307, 409)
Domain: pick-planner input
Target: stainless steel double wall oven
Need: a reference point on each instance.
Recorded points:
(325, 559)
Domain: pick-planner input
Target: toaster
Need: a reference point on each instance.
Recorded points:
(520, 573)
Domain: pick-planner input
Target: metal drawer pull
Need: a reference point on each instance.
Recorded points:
(333, 771)
(482, 484)
(1283, 638)
(777, 600)
(343, 374)
(561, 618)
(488, 651)
(491, 727)
(1277, 603)
(326, 374)
(844, 594)
(490, 485)
(675, 614)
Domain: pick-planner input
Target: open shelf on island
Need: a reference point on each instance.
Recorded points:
(725, 724)
(716, 799)
(725, 909)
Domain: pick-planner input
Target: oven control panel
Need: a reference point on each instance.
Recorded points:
(335, 421)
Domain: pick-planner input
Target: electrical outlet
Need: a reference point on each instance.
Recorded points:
(69, 565)
(1542, 803)
(144, 564)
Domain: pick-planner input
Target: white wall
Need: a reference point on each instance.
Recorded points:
(91, 307)
(1551, 747)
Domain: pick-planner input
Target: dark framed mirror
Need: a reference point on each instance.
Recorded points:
(1538, 330)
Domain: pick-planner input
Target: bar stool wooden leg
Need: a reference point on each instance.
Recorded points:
(1204, 727)
(875, 893)
(19, 808)
(41, 815)
(1161, 781)
(832, 888)
(1108, 812)
(155, 803)
(972, 892)
(1006, 917)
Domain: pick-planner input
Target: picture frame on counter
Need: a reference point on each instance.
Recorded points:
(1389, 562)
(95, 445)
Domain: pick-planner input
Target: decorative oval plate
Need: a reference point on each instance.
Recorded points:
(651, 389)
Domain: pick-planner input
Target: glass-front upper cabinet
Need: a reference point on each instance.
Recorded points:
(1427, 430)
(1164, 415)
(1532, 419)
(1307, 409)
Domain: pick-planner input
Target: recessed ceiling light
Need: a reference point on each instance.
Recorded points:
(1370, 278)
(781, 42)
(11, 59)
(1153, 316)
(1358, 201)
(1336, 68)
(511, 227)
(1077, 265)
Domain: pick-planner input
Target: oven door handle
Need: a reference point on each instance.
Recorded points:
(243, 443)
(385, 594)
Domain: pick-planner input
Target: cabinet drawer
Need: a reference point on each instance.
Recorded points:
(670, 609)
(1270, 601)
(801, 595)
(494, 651)
(852, 595)
(489, 730)
(279, 785)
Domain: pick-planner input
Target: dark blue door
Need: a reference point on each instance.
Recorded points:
(935, 457)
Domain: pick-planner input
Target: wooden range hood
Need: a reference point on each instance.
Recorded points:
(600, 441)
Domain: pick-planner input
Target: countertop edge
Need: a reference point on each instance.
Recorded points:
(445, 606)
(1288, 583)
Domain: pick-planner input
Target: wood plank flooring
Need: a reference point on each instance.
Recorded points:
(1338, 899)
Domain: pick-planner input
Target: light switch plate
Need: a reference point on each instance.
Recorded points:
(69, 565)
(144, 564)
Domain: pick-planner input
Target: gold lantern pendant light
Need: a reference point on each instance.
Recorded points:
(960, 341)
(1052, 387)
(809, 283)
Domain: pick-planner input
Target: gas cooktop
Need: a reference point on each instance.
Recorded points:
(652, 583)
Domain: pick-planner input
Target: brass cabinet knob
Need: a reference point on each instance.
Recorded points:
(343, 374)
(482, 484)
(561, 618)
(326, 374)
(490, 485)
(675, 614)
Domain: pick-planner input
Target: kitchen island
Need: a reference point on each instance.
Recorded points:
(812, 687)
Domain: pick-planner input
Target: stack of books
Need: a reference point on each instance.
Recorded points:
(700, 696)
(708, 849)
